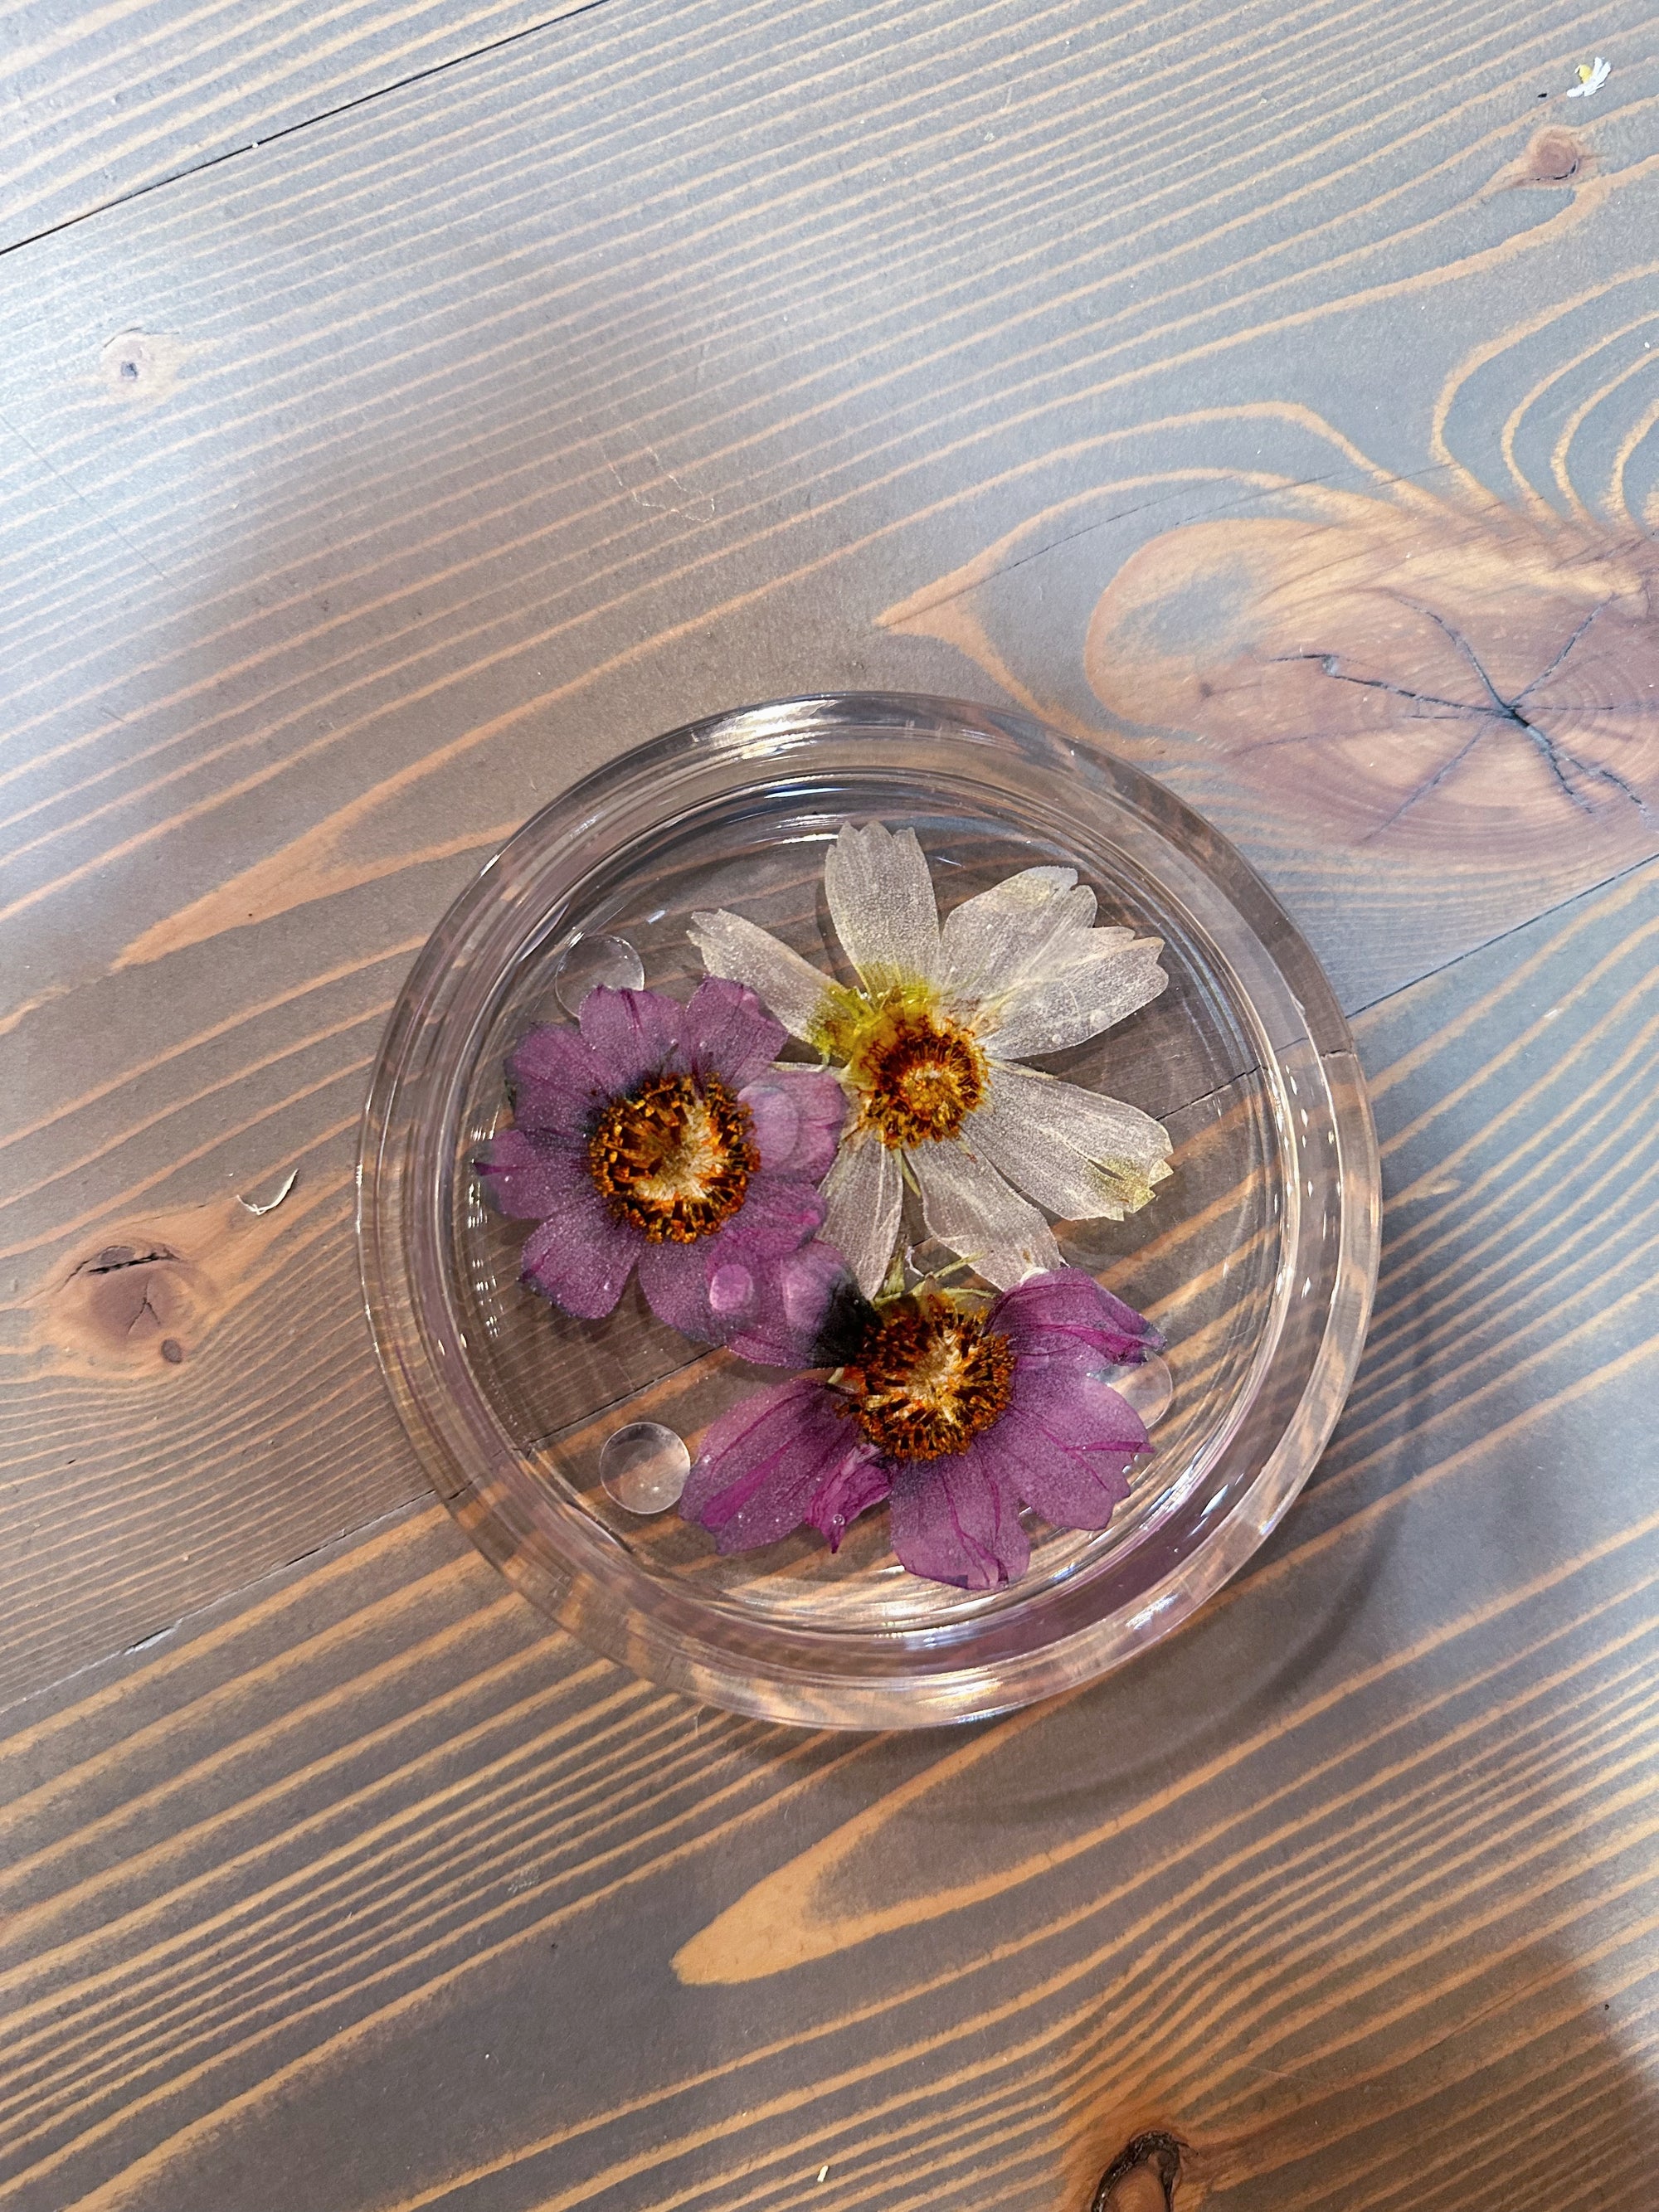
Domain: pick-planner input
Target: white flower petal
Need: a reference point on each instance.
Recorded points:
(990, 941)
(791, 988)
(1084, 1157)
(1105, 975)
(864, 1196)
(881, 901)
(968, 1206)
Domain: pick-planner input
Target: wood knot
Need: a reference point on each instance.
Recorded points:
(133, 1299)
(1143, 2176)
(144, 1301)
(1555, 157)
(140, 366)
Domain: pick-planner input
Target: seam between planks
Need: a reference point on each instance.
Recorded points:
(288, 130)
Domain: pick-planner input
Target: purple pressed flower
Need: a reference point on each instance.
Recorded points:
(956, 1418)
(660, 1137)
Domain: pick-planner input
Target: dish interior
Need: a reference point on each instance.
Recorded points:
(1201, 1260)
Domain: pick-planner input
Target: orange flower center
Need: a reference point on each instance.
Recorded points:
(929, 1380)
(675, 1157)
(919, 1076)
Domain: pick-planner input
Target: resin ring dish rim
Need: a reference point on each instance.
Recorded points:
(856, 1654)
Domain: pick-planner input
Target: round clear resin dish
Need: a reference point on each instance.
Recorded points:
(559, 1444)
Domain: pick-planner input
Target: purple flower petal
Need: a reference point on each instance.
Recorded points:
(1065, 1447)
(556, 1083)
(955, 1522)
(805, 1309)
(675, 1278)
(798, 1118)
(779, 1311)
(632, 1034)
(731, 1290)
(582, 1259)
(778, 1214)
(729, 1033)
(1066, 1315)
(855, 1486)
(776, 1123)
(531, 1178)
(712, 1287)
(1079, 1412)
(765, 1466)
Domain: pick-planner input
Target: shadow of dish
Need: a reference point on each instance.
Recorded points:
(1546, 2099)
(1070, 1800)
(1543, 2094)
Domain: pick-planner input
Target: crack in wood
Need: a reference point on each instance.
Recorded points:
(1561, 762)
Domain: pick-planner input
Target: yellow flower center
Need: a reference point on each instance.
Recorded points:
(919, 1072)
(929, 1380)
(675, 1157)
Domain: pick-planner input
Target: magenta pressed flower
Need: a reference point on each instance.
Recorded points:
(957, 1418)
(660, 1137)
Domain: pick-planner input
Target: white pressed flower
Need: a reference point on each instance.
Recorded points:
(1591, 77)
(927, 1043)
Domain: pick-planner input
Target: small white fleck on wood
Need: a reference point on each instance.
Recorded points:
(270, 1204)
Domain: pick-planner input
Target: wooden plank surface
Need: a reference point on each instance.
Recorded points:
(1267, 393)
(360, 1889)
(403, 520)
(103, 100)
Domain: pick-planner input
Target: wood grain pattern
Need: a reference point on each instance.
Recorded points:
(1266, 391)
(361, 1889)
(105, 100)
(538, 406)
